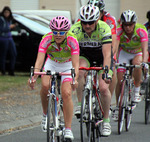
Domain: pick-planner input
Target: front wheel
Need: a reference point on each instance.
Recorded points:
(51, 121)
(85, 119)
(121, 113)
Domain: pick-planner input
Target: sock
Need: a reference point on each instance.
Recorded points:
(44, 114)
(107, 120)
(137, 89)
(79, 103)
(67, 128)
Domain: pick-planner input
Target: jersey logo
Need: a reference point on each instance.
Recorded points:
(90, 44)
(76, 30)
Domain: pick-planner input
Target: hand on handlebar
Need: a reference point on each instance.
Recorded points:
(74, 85)
(107, 75)
(31, 82)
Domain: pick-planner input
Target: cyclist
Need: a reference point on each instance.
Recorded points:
(111, 21)
(62, 51)
(132, 41)
(94, 37)
(147, 25)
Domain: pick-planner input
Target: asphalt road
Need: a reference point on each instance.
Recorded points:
(139, 132)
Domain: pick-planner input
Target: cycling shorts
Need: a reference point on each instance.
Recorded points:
(59, 67)
(125, 57)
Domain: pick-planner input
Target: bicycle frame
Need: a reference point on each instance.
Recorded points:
(90, 93)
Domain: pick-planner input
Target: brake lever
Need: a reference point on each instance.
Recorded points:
(31, 73)
(73, 75)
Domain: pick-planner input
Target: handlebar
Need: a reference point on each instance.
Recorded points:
(127, 65)
(90, 68)
(49, 72)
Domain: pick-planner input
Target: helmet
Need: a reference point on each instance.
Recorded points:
(89, 13)
(128, 16)
(60, 23)
(148, 15)
(99, 3)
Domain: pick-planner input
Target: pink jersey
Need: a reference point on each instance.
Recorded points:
(63, 54)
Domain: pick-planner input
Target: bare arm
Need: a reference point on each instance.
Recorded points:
(75, 64)
(106, 50)
(113, 44)
(144, 46)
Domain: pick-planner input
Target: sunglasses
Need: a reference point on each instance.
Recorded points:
(61, 33)
(89, 23)
(128, 24)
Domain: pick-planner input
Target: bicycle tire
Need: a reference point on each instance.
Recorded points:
(129, 104)
(85, 122)
(98, 118)
(147, 102)
(51, 122)
(121, 113)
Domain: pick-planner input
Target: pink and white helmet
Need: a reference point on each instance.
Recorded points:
(60, 23)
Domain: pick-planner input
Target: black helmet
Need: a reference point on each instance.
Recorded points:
(148, 15)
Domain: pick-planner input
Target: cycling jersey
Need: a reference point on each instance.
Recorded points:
(134, 45)
(110, 20)
(67, 48)
(91, 47)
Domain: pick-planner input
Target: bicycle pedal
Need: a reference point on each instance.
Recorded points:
(78, 116)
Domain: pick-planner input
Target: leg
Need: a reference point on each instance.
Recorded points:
(43, 93)
(66, 92)
(3, 54)
(118, 86)
(13, 53)
(81, 81)
(113, 83)
(105, 100)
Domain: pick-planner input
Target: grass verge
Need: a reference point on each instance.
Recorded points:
(8, 82)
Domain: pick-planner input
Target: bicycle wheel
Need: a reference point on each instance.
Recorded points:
(98, 118)
(147, 103)
(129, 104)
(121, 109)
(51, 122)
(85, 119)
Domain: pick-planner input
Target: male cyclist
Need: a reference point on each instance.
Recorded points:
(62, 51)
(147, 25)
(132, 41)
(111, 21)
(94, 37)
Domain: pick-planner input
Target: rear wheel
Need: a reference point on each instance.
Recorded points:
(147, 103)
(85, 119)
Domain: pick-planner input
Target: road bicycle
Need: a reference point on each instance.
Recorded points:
(91, 109)
(125, 102)
(55, 122)
(145, 90)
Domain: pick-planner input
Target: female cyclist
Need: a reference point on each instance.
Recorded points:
(62, 51)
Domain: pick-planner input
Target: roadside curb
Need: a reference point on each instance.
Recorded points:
(19, 124)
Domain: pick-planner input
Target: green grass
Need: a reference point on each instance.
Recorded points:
(8, 82)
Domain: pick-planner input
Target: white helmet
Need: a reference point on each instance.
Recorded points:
(89, 13)
(128, 16)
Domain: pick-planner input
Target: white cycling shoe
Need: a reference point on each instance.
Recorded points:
(44, 123)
